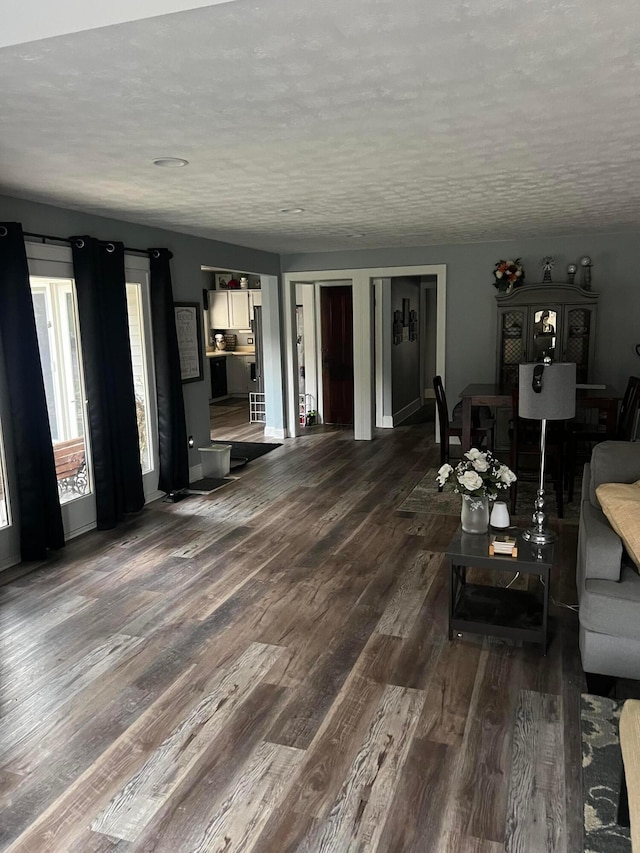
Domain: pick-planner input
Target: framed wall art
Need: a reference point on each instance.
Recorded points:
(406, 307)
(189, 332)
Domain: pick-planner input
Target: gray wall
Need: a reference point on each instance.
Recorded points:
(405, 357)
(189, 253)
(471, 307)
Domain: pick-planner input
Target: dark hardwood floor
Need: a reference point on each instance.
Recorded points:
(267, 669)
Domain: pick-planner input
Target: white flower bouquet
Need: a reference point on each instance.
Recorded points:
(477, 475)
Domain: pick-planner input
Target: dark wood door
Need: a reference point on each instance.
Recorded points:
(336, 307)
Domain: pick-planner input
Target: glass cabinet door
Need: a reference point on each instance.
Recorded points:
(578, 338)
(545, 332)
(512, 343)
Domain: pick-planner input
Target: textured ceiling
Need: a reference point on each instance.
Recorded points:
(406, 121)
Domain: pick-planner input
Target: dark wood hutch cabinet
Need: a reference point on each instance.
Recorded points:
(558, 320)
(536, 320)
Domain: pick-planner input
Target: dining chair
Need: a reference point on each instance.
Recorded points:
(586, 434)
(525, 455)
(481, 428)
(628, 417)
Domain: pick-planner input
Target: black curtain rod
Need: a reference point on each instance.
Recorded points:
(48, 237)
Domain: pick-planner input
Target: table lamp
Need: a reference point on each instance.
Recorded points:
(546, 392)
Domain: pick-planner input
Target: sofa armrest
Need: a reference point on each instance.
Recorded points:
(613, 462)
(586, 481)
(600, 546)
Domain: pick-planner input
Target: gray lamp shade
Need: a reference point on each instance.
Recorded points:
(556, 400)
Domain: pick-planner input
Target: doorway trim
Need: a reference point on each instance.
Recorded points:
(368, 377)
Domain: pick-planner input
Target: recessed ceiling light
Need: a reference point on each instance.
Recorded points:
(354, 236)
(170, 162)
(291, 210)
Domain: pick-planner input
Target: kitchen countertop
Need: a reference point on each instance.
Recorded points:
(211, 353)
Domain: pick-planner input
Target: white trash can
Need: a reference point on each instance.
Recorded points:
(216, 460)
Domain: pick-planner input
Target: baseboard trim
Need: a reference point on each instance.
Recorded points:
(79, 531)
(273, 432)
(406, 412)
(153, 496)
(195, 473)
(10, 562)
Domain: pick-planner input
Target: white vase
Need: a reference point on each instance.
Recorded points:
(500, 515)
(474, 515)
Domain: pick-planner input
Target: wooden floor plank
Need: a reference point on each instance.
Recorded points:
(178, 824)
(357, 818)
(329, 756)
(238, 820)
(145, 793)
(417, 811)
(535, 813)
(478, 793)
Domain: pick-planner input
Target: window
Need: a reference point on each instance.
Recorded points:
(55, 313)
(140, 372)
(141, 340)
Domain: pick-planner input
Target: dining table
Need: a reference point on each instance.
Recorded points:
(604, 398)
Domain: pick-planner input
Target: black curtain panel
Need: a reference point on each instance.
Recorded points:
(172, 430)
(106, 352)
(38, 505)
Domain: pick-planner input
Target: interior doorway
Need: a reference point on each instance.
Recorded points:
(336, 316)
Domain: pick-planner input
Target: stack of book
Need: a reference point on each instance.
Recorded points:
(500, 543)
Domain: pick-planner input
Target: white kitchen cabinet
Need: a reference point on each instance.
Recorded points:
(238, 309)
(255, 300)
(232, 309)
(219, 310)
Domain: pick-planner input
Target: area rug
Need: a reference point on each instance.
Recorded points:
(601, 775)
(425, 498)
(243, 452)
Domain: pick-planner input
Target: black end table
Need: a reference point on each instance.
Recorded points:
(498, 611)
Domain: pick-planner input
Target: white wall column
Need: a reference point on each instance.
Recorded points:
(363, 363)
(290, 337)
(272, 357)
(384, 342)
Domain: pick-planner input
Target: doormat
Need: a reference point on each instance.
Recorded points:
(602, 775)
(425, 498)
(207, 485)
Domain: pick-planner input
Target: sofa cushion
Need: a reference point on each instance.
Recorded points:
(612, 608)
(620, 502)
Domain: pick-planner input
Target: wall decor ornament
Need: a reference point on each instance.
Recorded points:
(188, 317)
(413, 325)
(397, 327)
(585, 272)
(547, 265)
(507, 275)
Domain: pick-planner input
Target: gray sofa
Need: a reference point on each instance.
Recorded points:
(608, 587)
